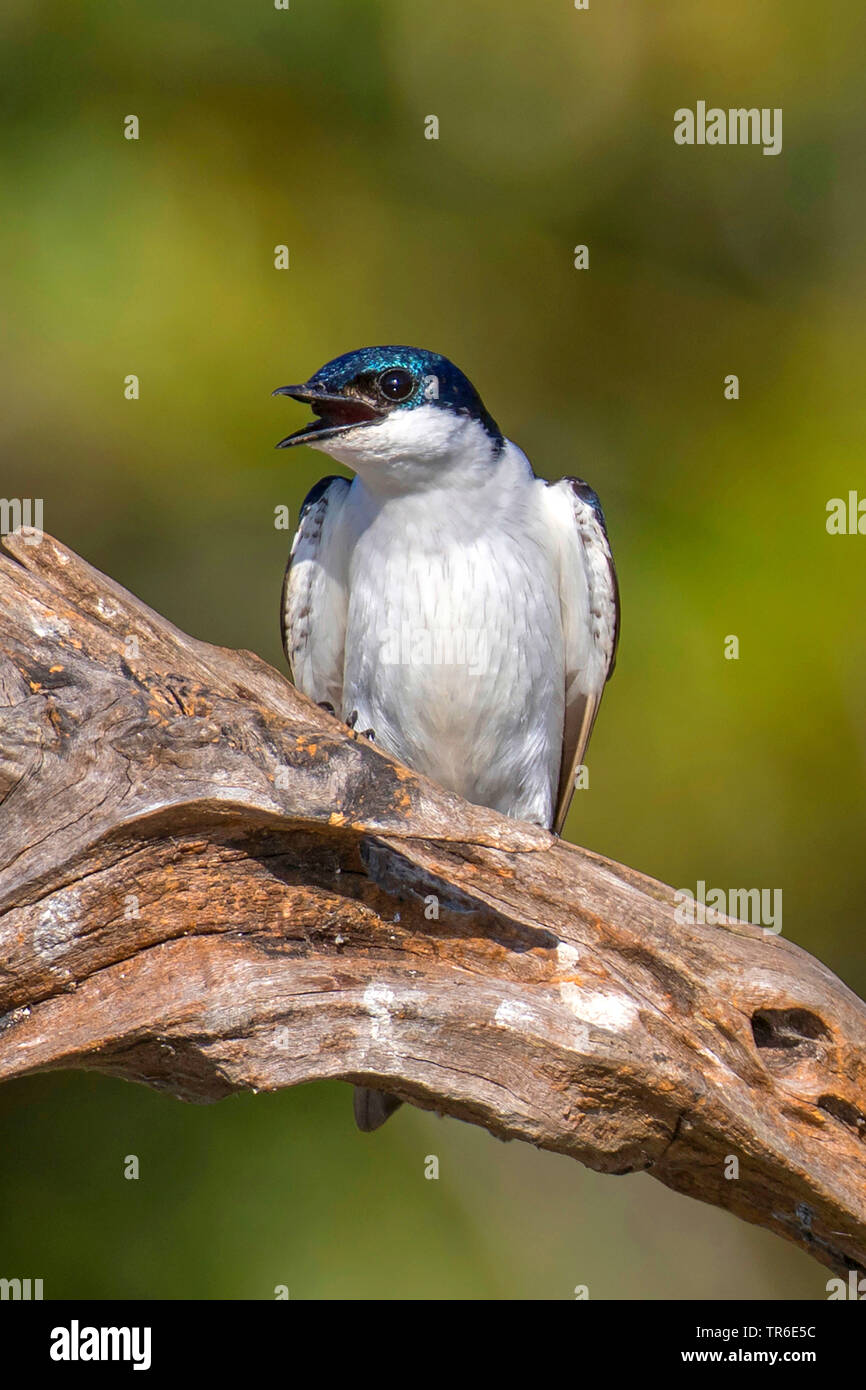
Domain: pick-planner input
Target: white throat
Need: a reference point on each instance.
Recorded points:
(414, 451)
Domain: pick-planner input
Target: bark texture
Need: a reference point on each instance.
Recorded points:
(208, 884)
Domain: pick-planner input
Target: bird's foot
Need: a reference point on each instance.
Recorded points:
(359, 733)
(327, 706)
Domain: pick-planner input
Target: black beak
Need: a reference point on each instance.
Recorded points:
(335, 414)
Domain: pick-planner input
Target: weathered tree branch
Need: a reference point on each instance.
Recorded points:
(206, 884)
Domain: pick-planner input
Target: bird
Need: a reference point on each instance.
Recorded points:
(447, 601)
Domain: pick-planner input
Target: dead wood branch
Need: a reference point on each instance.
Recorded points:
(206, 884)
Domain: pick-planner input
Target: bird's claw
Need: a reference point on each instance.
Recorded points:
(359, 733)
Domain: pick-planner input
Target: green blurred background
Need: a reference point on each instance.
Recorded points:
(155, 257)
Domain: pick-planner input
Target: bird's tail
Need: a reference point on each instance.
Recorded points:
(372, 1108)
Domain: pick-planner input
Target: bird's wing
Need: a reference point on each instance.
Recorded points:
(315, 596)
(589, 601)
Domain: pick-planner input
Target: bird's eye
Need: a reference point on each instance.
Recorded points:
(396, 383)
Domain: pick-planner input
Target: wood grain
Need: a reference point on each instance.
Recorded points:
(207, 884)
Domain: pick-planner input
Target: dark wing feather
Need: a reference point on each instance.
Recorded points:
(315, 598)
(589, 597)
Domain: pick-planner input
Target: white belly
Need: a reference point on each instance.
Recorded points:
(454, 657)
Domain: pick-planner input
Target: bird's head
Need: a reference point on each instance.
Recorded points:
(399, 416)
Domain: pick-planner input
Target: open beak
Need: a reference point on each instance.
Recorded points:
(335, 414)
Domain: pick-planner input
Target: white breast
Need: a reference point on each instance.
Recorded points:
(454, 648)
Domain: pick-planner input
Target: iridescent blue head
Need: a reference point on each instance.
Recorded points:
(374, 385)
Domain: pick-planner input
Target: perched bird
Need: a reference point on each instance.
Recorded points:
(462, 610)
